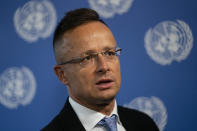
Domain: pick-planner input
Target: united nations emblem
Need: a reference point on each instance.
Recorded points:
(153, 106)
(169, 41)
(36, 19)
(108, 8)
(17, 87)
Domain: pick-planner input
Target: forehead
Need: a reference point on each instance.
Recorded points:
(93, 36)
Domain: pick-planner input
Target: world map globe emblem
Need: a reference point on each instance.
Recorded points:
(152, 106)
(36, 19)
(169, 41)
(17, 87)
(108, 8)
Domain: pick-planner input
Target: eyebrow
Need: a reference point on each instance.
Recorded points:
(104, 49)
(109, 48)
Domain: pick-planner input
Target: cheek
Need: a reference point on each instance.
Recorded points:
(116, 66)
(85, 77)
(81, 78)
(117, 72)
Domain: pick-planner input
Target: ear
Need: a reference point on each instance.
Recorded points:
(61, 74)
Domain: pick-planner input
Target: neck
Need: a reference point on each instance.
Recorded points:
(105, 107)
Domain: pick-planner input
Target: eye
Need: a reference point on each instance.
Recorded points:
(110, 53)
(87, 58)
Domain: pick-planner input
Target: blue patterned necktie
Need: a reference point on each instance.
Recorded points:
(109, 123)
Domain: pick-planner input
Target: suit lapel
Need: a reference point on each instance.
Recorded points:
(69, 117)
(124, 118)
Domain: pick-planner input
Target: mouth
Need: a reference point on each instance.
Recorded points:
(104, 83)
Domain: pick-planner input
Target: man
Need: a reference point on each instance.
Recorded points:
(87, 63)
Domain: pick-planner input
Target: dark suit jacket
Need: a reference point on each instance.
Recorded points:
(132, 120)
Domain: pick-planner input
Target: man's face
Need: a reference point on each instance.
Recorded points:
(93, 84)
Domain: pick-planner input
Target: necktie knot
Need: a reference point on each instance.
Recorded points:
(109, 123)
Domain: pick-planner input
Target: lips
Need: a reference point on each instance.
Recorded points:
(104, 83)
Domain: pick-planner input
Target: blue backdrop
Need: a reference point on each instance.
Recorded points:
(158, 62)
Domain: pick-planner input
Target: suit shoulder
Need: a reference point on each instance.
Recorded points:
(66, 120)
(54, 124)
(139, 119)
(130, 111)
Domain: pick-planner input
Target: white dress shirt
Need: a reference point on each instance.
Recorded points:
(89, 118)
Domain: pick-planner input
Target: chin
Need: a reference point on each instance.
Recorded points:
(107, 99)
(106, 96)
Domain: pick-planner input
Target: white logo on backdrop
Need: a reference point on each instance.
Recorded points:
(17, 87)
(36, 19)
(108, 8)
(169, 41)
(152, 106)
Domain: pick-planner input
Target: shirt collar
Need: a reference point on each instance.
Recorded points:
(89, 118)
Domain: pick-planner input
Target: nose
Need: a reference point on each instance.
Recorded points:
(102, 65)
